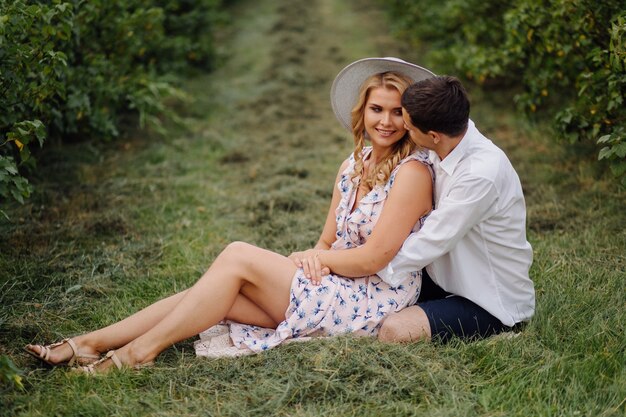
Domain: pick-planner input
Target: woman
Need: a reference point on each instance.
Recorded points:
(256, 290)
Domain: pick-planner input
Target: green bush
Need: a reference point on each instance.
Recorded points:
(189, 41)
(608, 110)
(77, 69)
(568, 56)
(32, 74)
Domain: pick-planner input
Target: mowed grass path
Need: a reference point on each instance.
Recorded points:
(115, 227)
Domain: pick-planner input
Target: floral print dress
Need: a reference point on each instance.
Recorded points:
(340, 305)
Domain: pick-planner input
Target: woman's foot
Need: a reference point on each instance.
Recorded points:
(66, 352)
(121, 358)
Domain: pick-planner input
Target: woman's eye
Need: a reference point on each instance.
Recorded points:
(375, 109)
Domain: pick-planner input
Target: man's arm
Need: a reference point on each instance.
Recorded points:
(470, 201)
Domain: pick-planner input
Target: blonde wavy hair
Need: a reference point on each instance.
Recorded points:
(379, 175)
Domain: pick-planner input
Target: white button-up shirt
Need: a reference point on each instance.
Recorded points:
(474, 243)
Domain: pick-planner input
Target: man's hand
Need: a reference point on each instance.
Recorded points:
(311, 264)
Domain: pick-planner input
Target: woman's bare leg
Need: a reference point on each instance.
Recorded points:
(117, 334)
(264, 277)
(246, 311)
(128, 329)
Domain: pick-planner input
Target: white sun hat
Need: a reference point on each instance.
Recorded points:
(345, 89)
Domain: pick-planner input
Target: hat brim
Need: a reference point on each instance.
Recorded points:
(345, 89)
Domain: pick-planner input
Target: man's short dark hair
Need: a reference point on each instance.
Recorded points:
(439, 104)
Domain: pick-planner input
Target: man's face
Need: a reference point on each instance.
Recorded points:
(417, 136)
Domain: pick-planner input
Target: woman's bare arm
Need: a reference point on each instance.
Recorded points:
(409, 199)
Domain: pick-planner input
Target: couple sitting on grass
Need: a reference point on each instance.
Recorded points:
(425, 238)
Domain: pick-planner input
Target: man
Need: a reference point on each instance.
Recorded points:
(473, 245)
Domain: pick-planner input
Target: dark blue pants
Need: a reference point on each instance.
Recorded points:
(451, 315)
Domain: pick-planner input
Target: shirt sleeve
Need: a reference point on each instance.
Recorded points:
(469, 201)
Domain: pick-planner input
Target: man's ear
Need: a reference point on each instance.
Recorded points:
(435, 136)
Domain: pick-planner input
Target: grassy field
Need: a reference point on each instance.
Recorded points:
(114, 227)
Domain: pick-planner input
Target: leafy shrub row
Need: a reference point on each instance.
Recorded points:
(569, 56)
(72, 69)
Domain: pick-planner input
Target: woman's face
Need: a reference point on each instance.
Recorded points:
(383, 118)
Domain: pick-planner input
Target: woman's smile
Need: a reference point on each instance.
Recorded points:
(385, 133)
(383, 118)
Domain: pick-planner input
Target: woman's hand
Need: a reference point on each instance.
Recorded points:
(310, 262)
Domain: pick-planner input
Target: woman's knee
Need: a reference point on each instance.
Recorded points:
(235, 251)
(238, 255)
(236, 247)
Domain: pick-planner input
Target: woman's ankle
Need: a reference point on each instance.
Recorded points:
(138, 354)
(88, 344)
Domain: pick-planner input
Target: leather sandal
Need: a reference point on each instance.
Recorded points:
(91, 369)
(77, 357)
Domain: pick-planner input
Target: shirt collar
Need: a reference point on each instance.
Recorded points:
(452, 160)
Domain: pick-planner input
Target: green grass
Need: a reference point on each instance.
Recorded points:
(116, 226)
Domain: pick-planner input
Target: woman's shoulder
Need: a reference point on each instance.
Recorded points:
(414, 167)
(366, 150)
(420, 156)
(417, 161)
(420, 161)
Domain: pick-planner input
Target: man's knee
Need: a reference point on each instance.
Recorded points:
(390, 330)
(408, 325)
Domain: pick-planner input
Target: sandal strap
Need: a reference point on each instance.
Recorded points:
(74, 350)
(87, 369)
(76, 354)
(111, 354)
(44, 352)
(91, 368)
